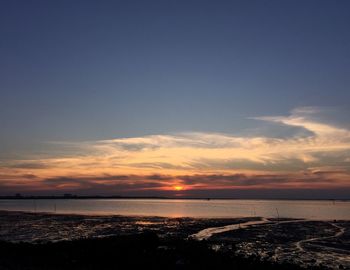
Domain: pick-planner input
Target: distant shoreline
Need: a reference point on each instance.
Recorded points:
(76, 197)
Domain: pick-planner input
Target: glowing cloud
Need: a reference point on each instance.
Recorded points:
(318, 159)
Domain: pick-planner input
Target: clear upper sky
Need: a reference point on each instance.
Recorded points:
(78, 71)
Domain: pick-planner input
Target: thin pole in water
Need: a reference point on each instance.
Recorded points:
(278, 215)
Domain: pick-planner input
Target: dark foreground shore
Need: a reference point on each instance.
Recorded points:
(49, 241)
(143, 251)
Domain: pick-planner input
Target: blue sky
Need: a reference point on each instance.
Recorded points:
(97, 70)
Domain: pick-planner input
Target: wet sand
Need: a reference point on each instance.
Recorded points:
(306, 243)
(46, 227)
(281, 243)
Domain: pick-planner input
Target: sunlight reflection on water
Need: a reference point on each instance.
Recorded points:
(310, 209)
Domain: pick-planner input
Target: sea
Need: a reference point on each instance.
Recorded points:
(194, 208)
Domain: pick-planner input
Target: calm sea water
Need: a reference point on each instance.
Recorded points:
(187, 208)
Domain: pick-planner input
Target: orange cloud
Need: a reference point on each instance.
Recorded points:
(195, 160)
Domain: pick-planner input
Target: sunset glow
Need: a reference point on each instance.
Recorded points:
(152, 99)
(201, 161)
(178, 188)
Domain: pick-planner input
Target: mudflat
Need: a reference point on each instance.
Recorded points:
(50, 241)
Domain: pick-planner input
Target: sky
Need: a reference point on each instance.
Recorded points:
(241, 99)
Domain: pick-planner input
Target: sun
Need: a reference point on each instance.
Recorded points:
(178, 188)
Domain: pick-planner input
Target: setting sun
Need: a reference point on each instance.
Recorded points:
(178, 188)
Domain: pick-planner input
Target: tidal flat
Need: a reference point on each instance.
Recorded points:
(62, 241)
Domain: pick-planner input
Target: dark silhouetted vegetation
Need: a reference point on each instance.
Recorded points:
(144, 251)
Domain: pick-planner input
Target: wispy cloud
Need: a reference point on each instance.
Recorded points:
(198, 160)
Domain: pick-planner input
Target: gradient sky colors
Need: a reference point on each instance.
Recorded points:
(175, 98)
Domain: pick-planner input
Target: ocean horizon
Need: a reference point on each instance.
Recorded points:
(194, 208)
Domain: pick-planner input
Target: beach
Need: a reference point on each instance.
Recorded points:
(28, 240)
